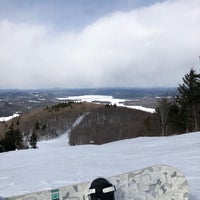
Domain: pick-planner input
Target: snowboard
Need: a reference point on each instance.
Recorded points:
(159, 182)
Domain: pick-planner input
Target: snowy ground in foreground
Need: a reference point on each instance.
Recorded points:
(56, 164)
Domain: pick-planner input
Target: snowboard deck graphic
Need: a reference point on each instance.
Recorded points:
(157, 182)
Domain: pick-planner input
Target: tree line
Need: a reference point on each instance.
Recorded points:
(174, 115)
(107, 124)
(14, 139)
(182, 113)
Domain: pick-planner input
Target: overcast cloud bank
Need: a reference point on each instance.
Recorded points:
(147, 47)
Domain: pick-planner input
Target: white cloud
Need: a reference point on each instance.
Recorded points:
(152, 46)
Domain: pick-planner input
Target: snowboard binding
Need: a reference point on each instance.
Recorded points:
(100, 189)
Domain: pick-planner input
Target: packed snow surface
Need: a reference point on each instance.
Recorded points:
(56, 164)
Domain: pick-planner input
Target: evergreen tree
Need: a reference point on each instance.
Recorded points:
(13, 139)
(33, 140)
(176, 119)
(188, 99)
(37, 125)
(18, 139)
(9, 140)
(18, 123)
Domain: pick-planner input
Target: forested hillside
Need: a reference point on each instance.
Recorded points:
(46, 123)
(182, 113)
(111, 123)
(100, 124)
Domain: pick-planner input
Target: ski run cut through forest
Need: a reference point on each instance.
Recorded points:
(55, 163)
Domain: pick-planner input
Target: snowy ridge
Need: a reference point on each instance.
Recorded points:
(56, 164)
(4, 119)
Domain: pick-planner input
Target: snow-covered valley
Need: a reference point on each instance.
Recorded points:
(56, 164)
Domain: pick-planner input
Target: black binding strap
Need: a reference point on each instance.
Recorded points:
(104, 190)
(100, 189)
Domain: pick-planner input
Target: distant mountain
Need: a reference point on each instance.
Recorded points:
(12, 101)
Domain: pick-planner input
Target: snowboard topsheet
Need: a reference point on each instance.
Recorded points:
(157, 182)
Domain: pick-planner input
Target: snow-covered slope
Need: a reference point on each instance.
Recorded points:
(4, 119)
(56, 164)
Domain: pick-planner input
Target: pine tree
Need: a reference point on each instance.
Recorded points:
(18, 139)
(9, 140)
(176, 119)
(188, 99)
(33, 140)
(13, 139)
(37, 125)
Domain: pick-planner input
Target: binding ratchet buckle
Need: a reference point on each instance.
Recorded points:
(92, 191)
